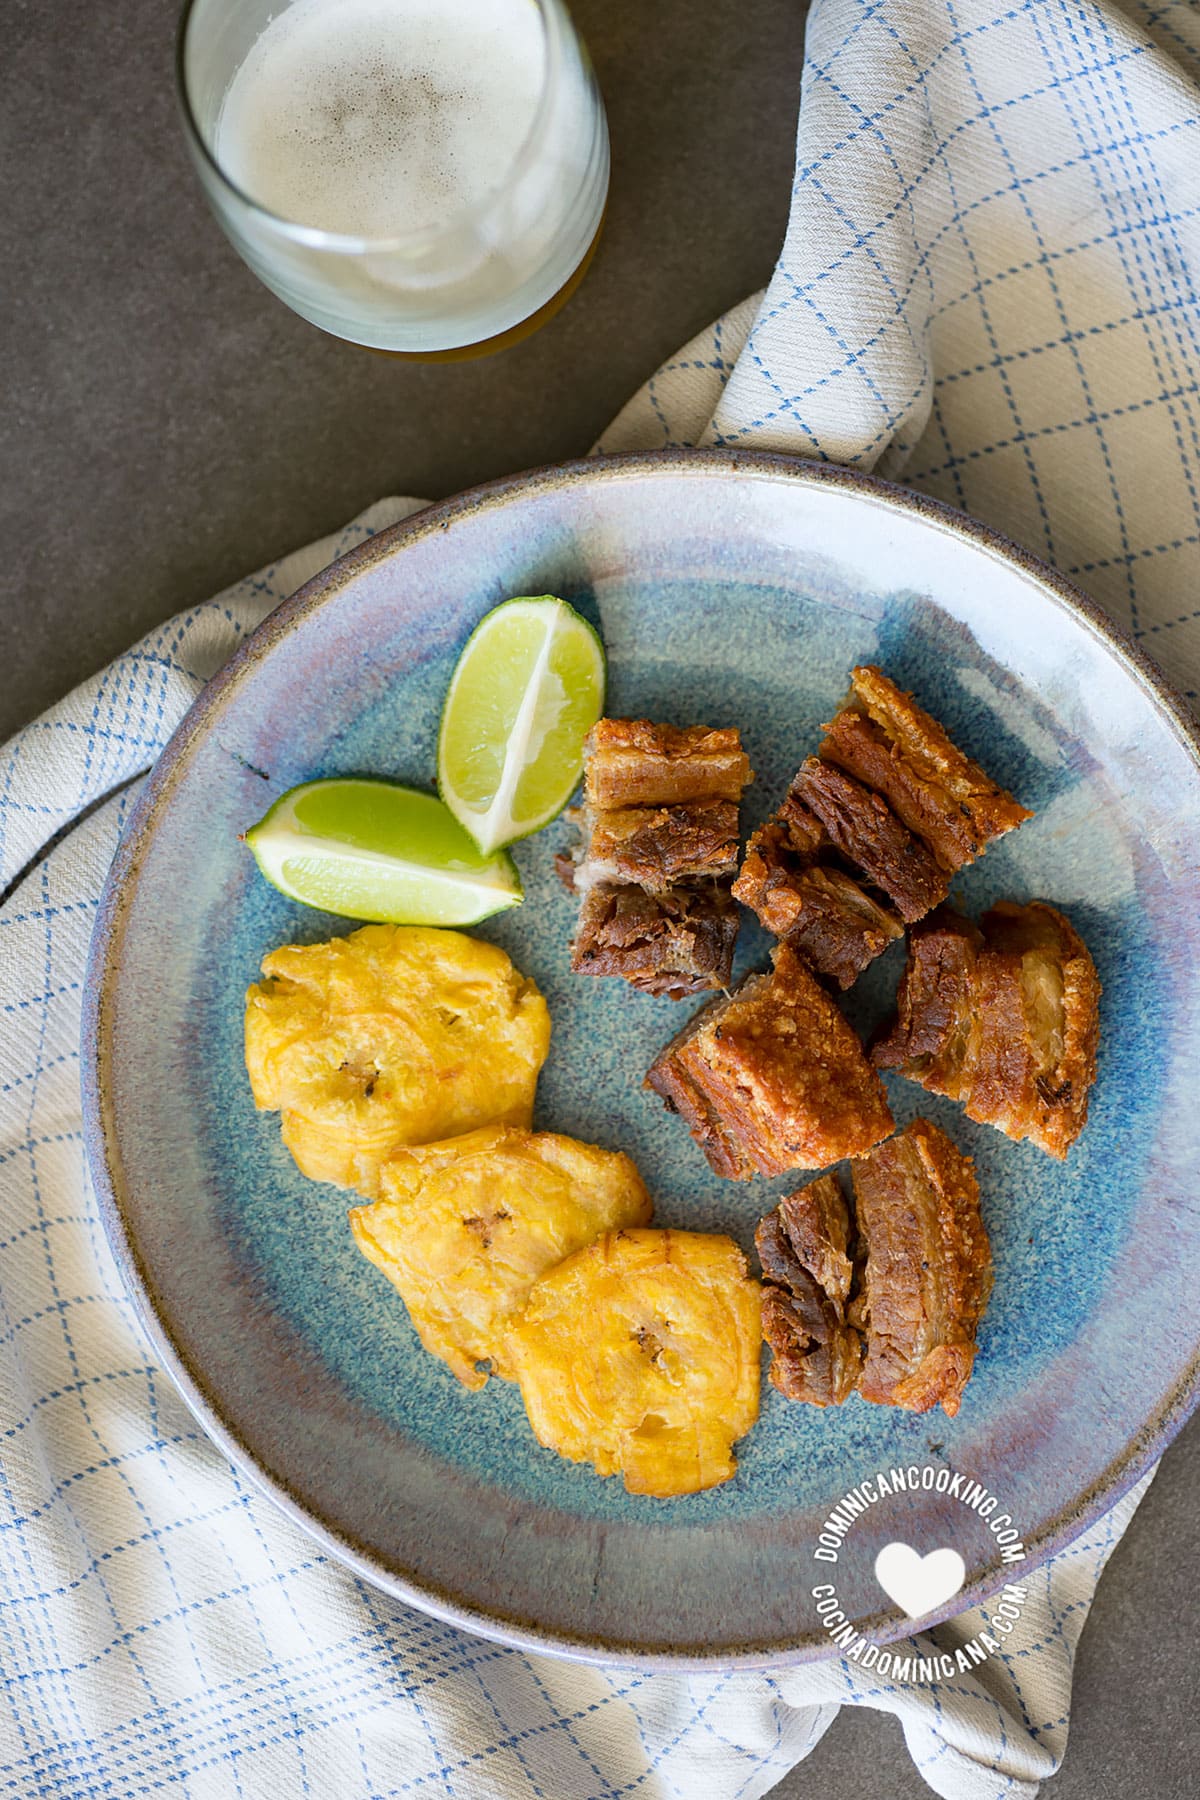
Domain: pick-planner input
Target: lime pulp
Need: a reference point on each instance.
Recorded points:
(525, 692)
(373, 850)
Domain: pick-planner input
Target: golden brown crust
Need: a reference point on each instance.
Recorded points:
(670, 1078)
(1037, 952)
(873, 827)
(641, 1355)
(892, 745)
(773, 1078)
(769, 877)
(1005, 1020)
(927, 1273)
(633, 762)
(802, 1246)
(464, 1228)
(393, 1035)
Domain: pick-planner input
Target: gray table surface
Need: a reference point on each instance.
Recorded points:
(167, 426)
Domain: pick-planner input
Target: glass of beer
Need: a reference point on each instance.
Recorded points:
(426, 177)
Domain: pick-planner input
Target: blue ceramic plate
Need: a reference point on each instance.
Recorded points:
(734, 589)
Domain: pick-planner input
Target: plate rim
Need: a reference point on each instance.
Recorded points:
(497, 1625)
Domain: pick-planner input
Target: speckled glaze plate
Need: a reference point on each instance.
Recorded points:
(733, 589)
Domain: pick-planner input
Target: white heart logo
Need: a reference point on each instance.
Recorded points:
(919, 1584)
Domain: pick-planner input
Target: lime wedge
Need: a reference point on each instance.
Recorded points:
(526, 691)
(372, 850)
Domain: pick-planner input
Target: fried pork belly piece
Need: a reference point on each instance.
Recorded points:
(929, 1039)
(656, 846)
(464, 1228)
(640, 1355)
(871, 831)
(867, 832)
(675, 943)
(658, 854)
(1041, 989)
(892, 1313)
(773, 1077)
(394, 1035)
(1004, 1020)
(828, 916)
(803, 1248)
(885, 740)
(927, 1273)
(631, 762)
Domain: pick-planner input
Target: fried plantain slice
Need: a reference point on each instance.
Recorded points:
(640, 1355)
(465, 1227)
(394, 1035)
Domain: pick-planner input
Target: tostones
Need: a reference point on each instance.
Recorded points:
(640, 1354)
(465, 1228)
(395, 1035)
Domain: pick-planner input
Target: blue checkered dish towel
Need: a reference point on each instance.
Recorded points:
(988, 289)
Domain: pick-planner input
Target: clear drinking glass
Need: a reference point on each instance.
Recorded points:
(489, 268)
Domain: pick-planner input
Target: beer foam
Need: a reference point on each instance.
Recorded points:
(375, 117)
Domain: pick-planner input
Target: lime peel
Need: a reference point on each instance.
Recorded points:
(373, 850)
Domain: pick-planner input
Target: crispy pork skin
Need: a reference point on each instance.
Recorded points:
(658, 851)
(773, 1077)
(632, 762)
(871, 831)
(884, 739)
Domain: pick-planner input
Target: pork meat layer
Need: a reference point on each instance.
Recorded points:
(1002, 1018)
(676, 943)
(927, 1269)
(890, 744)
(803, 1246)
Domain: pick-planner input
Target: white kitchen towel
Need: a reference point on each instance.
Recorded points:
(988, 288)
